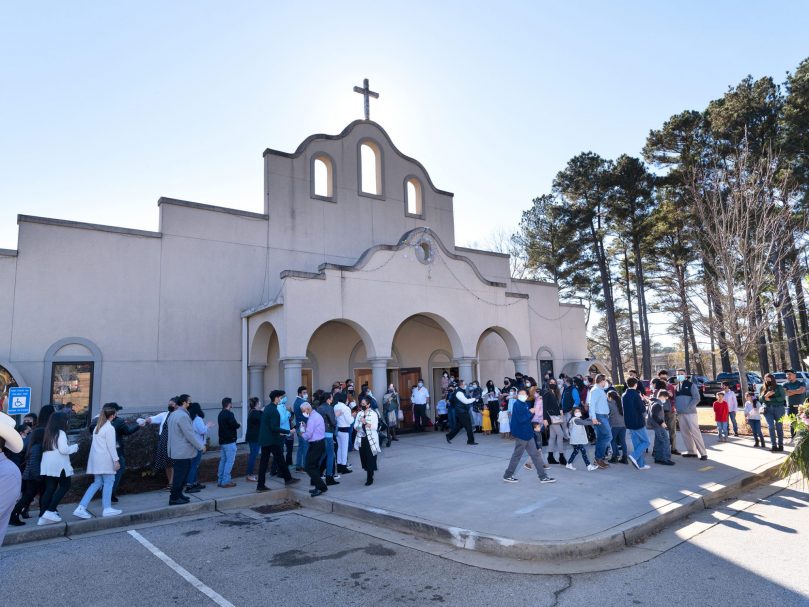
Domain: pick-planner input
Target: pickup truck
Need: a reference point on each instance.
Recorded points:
(710, 388)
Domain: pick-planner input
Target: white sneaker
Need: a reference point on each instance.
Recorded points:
(570, 466)
(81, 512)
(44, 521)
(592, 467)
(111, 512)
(645, 467)
(634, 462)
(53, 516)
(336, 477)
(528, 466)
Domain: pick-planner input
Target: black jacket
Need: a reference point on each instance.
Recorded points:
(227, 427)
(122, 429)
(253, 426)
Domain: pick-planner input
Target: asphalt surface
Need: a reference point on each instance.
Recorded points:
(757, 558)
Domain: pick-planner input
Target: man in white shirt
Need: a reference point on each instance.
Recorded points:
(420, 399)
(733, 406)
(458, 399)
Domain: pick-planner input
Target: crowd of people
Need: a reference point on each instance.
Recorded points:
(565, 416)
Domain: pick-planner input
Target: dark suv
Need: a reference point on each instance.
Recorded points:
(712, 387)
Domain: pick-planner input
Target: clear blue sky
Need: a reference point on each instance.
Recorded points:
(108, 106)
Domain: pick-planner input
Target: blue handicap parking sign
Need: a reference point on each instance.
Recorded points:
(19, 401)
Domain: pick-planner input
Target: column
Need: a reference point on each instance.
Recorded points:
(256, 381)
(465, 371)
(521, 365)
(379, 377)
(292, 375)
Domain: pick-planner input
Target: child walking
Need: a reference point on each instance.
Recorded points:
(504, 421)
(578, 440)
(720, 410)
(752, 414)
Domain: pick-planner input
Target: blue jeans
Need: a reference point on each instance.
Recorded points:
(303, 448)
(662, 449)
(773, 415)
(732, 419)
(226, 459)
(603, 435)
(451, 417)
(194, 469)
(722, 429)
(755, 427)
(120, 473)
(618, 438)
(576, 450)
(255, 448)
(640, 442)
(99, 480)
(329, 454)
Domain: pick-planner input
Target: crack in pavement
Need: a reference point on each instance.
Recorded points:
(557, 594)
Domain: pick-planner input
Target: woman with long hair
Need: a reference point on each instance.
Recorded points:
(102, 464)
(775, 399)
(55, 467)
(33, 483)
(201, 430)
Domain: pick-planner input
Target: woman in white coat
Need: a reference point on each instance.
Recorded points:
(103, 464)
(55, 468)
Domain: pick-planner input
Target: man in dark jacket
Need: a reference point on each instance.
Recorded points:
(460, 402)
(635, 418)
(522, 430)
(122, 429)
(227, 443)
(271, 438)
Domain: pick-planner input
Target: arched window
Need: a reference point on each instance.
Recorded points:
(414, 202)
(322, 177)
(370, 169)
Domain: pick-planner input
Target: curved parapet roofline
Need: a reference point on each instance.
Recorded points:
(305, 143)
(404, 241)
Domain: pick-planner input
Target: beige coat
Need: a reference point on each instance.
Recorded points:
(103, 454)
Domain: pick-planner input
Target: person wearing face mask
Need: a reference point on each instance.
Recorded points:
(420, 399)
(344, 422)
(300, 423)
(390, 406)
(685, 402)
(271, 437)
(315, 435)
(522, 429)
(460, 402)
(600, 414)
(669, 410)
(774, 398)
(367, 439)
(657, 422)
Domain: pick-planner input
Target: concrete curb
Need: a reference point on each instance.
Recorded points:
(627, 534)
(98, 523)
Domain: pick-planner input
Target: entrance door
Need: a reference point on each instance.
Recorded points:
(306, 380)
(362, 376)
(407, 379)
(545, 366)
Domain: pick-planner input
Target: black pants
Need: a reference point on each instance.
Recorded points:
(290, 443)
(277, 452)
(316, 451)
(55, 489)
(181, 469)
(29, 492)
(462, 420)
(420, 411)
(494, 411)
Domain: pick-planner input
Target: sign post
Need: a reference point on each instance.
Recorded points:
(19, 401)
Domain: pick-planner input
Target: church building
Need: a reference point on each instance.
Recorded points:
(351, 271)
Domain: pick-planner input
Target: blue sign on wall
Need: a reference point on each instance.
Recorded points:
(19, 401)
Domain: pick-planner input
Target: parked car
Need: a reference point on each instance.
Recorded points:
(712, 387)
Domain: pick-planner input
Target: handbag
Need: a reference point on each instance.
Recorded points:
(556, 419)
(400, 415)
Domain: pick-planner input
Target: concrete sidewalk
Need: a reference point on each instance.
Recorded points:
(455, 494)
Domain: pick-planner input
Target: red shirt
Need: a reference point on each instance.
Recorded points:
(720, 410)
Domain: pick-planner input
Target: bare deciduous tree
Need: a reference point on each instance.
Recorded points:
(748, 224)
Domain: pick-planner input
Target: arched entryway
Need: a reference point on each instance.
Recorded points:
(426, 344)
(264, 364)
(337, 350)
(497, 349)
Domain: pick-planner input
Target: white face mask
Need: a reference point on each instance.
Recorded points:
(304, 396)
(421, 384)
(305, 414)
(602, 385)
(522, 398)
(577, 414)
(681, 378)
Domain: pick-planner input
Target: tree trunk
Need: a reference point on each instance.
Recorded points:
(742, 369)
(787, 315)
(685, 317)
(643, 316)
(629, 306)
(724, 355)
(697, 356)
(686, 357)
(773, 363)
(763, 363)
(609, 308)
(711, 332)
(782, 361)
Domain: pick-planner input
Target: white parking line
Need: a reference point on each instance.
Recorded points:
(195, 582)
